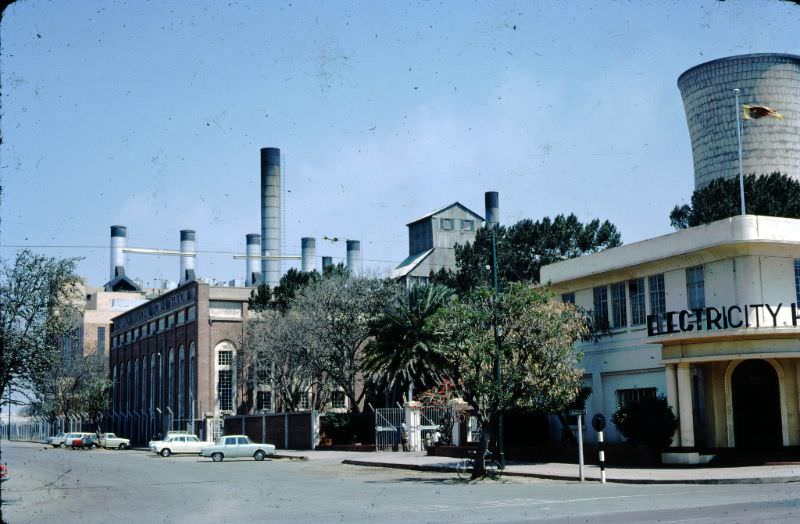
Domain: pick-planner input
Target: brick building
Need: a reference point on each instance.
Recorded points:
(174, 360)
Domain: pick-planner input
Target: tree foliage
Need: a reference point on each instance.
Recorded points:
(401, 351)
(37, 297)
(324, 332)
(523, 248)
(649, 421)
(536, 334)
(773, 195)
(78, 385)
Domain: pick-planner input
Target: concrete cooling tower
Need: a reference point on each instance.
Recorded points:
(768, 144)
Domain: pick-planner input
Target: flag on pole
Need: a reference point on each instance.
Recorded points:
(756, 112)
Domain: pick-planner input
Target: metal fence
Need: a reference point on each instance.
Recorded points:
(34, 430)
(388, 428)
(432, 419)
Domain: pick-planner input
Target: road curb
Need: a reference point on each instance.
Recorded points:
(574, 478)
(289, 457)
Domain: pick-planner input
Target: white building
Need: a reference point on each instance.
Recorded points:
(707, 316)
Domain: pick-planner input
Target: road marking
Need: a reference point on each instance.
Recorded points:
(493, 504)
(686, 520)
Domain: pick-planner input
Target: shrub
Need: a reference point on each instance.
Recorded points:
(648, 421)
(348, 428)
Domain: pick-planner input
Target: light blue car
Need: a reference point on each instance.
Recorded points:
(234, 446)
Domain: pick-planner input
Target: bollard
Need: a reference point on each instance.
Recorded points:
(602, 453)
(599, 424)
(580, 447)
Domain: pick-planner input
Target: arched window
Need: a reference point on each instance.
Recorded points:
(226, 375)
(171, 381)
(128, 386)
(143, 386)
(192, 379)
(152, 381)
(114, 389)
(181, 382)
(135, 383)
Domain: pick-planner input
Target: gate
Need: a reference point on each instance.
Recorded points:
(431, 421)
(388, 428)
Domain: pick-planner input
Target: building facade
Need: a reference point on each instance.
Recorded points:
(708, 317)
(176, 362)
(432, 239)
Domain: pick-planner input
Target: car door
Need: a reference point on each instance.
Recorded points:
(192, 444)
(180, 444)
(243, 445)
(231, 449)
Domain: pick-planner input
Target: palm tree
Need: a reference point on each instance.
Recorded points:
(401, 351)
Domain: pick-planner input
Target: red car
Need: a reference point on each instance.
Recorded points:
(79, 443)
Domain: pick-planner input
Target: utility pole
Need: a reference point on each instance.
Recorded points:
(499, 359)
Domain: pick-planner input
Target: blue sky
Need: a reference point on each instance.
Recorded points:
(152, 114)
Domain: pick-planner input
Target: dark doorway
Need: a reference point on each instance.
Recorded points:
(756, 406)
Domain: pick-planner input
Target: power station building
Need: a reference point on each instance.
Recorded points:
(432, 239)
(707, 316)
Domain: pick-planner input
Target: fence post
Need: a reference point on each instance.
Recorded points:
(286, 431)
(263, 428)
(412, 409)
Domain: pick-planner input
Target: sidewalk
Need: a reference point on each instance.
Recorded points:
(557, 471)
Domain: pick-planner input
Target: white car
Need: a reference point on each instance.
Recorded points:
(56, 440)
(232, 446)
(111, 441)
(177, 443)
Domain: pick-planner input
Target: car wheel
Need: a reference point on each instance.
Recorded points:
(165, 452)
(123, 446)
(216, 457)
(62, 445)
(260, 455)
(54, 445)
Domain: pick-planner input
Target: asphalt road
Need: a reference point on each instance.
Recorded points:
(65, 486)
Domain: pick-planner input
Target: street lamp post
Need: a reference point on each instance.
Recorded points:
(499, 361)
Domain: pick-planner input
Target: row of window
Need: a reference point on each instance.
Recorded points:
(448, 224)
(133, 374)
(155, 326)
(643, 294)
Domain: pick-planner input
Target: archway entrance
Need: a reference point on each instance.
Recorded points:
(756, 406)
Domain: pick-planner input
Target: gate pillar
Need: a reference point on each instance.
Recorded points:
(412, 412)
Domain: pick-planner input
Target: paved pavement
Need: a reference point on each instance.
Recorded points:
(558, 471)
(66, 486)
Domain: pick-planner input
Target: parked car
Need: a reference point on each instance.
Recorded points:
(4, 473)
(111, 441)
(90, 441)
(65, 440)
(56, 440)
(232, 446)
(77, 442)
(177, 443)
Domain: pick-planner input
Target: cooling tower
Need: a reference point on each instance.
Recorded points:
(768, 144)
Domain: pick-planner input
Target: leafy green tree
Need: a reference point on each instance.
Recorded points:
(523, 248)
(260, 298)
(37, 296)
(773, 195)
(401, 351)
(537, 334)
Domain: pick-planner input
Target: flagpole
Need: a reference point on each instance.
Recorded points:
(739, 141)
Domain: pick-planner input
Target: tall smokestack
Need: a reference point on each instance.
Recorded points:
(492, 200)
(308, 254)
(270, 214)
(119, 241)
(327, 262)
(354, 256)
(188, 245)
(252, 264)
